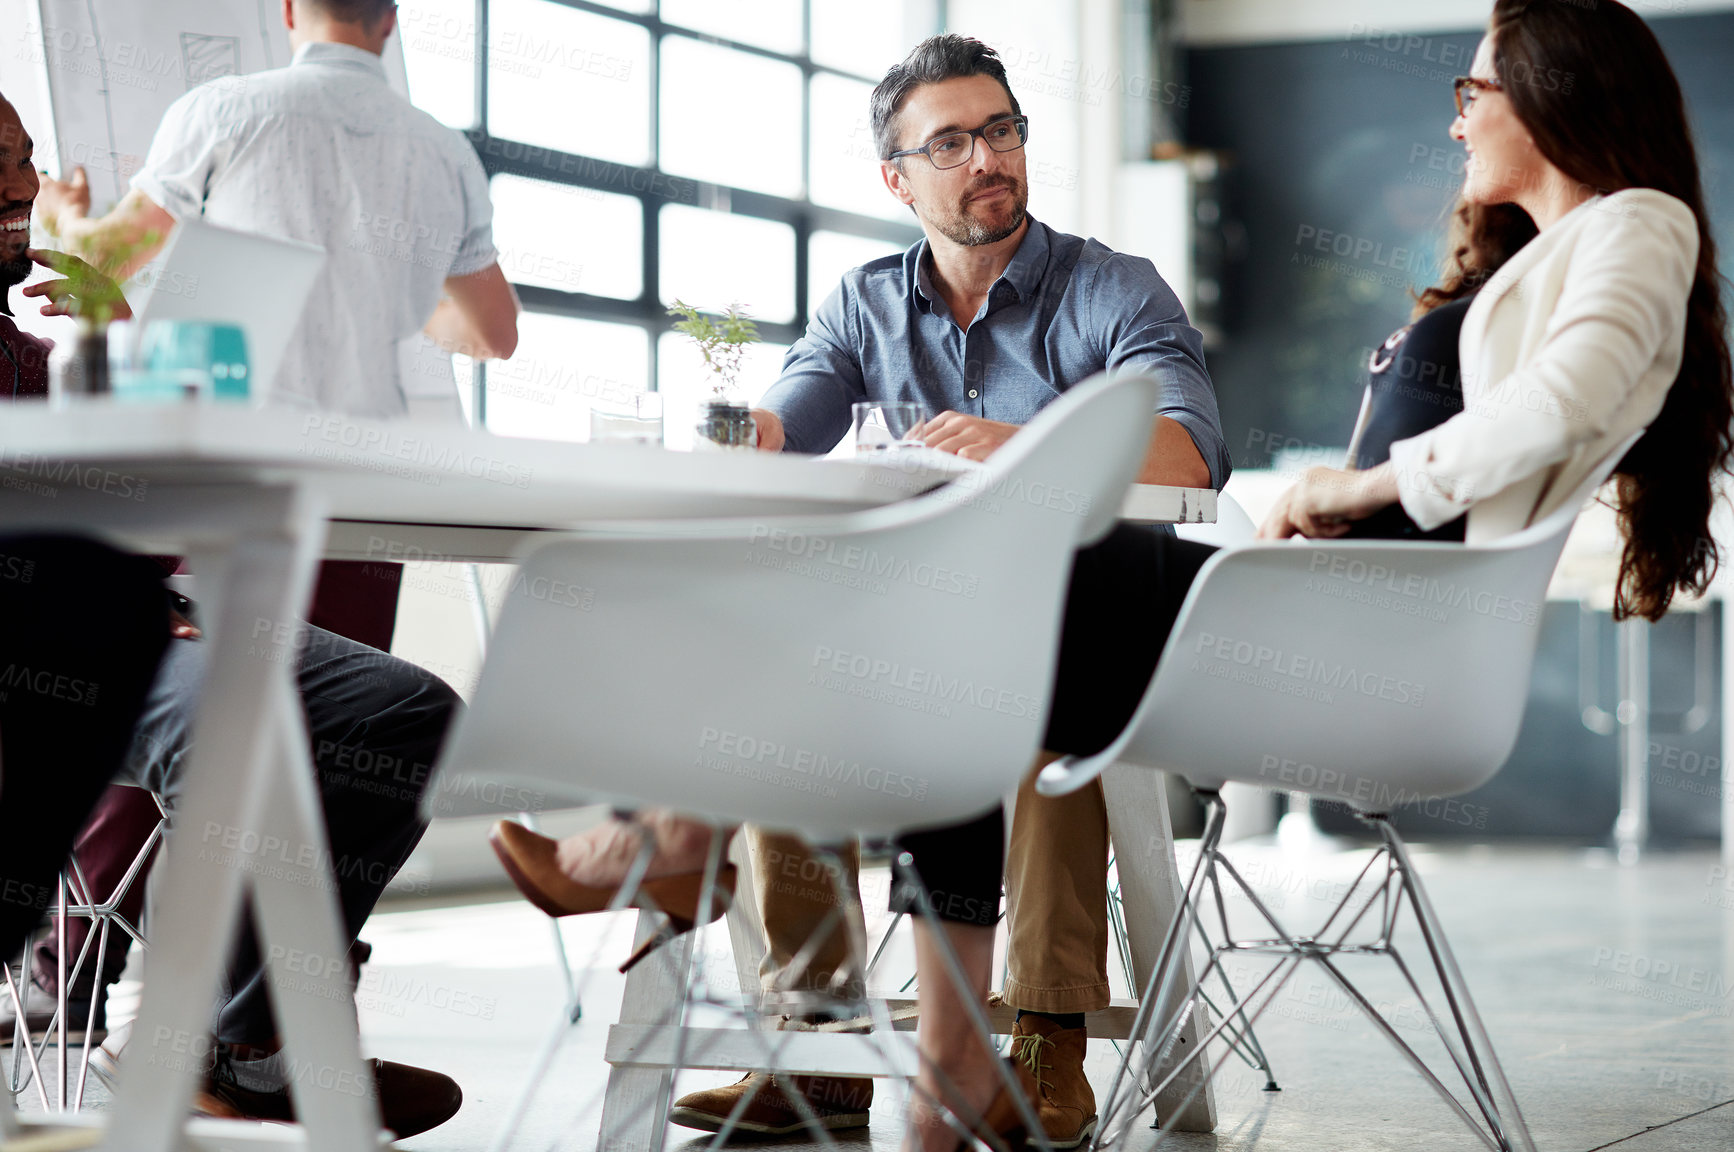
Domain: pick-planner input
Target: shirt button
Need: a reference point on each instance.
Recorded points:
(973, 393)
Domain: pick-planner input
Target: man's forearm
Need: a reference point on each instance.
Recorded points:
(1173, 459)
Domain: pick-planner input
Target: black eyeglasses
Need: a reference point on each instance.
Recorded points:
(1468, 89)
(1006, 134)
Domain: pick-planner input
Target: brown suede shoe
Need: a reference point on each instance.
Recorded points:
(836, 1101)
(411, 1100)
(1055, 1057)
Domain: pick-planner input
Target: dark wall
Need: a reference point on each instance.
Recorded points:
(1342, 175)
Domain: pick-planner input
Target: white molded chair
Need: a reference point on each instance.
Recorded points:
(859, 674)
(1370, 673)
(74, 898)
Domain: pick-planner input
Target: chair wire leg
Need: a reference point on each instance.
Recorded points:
(551, 1046)
(1243, 1040)
(975, 1009)
(1170, 961)
(60, 996)
(1408, 1053)
(844, 914)
(855, 920)
(689, 966)
(884, 943)
(90, 1014)
(574, 1009)
(1268, 987)
(1513, 1132)
(23, 1042)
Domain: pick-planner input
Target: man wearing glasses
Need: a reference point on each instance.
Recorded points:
(984, 322)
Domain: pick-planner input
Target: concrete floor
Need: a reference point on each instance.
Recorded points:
(1609, 993)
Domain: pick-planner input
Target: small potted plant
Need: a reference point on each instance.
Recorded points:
(723, 418)
(93, 298)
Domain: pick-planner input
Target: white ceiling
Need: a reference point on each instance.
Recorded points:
(1205, 23)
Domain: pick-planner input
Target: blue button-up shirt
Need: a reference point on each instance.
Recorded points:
(1064, 309)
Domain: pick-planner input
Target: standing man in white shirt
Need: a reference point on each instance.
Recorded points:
(324, 152)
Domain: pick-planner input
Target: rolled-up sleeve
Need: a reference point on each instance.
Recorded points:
(821, 379)
(184, 155)
(1145, 330)
(476, 251)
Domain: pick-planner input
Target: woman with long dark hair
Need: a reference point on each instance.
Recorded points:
(1582, 236)
(1583, 303)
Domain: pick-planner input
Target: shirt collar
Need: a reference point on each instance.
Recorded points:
(340, 56)
(1024, 274)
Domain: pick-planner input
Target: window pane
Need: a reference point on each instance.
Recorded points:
(439, 53)
(730, 118)
(569, 80)
(845, 163)
(683, 381)
(569, 238)
(830, 254)
(545, 390)
(773, 24)
(712, 260)
(865, 39)
(1058, 88)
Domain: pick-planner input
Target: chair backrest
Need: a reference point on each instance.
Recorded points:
(1368, 672)
(861, 673)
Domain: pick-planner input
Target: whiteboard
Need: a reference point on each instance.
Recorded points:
(111, 68)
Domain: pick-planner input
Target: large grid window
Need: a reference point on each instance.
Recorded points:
(717, 151)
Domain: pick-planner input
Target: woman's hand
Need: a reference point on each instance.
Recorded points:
(83, 292)
(1328, 500)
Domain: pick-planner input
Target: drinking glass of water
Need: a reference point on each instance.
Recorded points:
(634, 421)
(886, 424)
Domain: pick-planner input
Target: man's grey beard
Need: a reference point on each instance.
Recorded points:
(962, 228)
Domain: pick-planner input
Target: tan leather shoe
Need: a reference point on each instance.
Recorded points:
(411, 1100)
(836, 1101)
(1055, 1058)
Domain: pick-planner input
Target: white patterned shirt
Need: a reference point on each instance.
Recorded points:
(324, 152)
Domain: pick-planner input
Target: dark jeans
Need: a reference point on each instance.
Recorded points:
(375, 724)
(356, 600)
(1124, 597)
(82, 628)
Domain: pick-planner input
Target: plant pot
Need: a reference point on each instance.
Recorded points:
(83, 369)
(725, 423)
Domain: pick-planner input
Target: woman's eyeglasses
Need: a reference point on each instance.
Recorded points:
(1468, 90)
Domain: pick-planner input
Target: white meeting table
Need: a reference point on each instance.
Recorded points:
(254, 499)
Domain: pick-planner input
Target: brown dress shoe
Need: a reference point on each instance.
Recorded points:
(1055, 1058)
(836, 1101)
(411, 1100)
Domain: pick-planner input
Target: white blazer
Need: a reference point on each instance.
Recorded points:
(1570, 348)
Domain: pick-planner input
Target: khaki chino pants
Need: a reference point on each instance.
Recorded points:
(1056, 880)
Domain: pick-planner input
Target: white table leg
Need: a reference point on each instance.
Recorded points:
(263, 563)
(307, 955)
(635, 1106)
(1138, 825)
